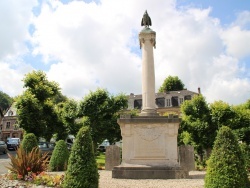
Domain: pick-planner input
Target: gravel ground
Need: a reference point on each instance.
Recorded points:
(106, 181)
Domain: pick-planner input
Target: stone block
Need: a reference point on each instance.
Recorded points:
(113, 157)
(186, 157)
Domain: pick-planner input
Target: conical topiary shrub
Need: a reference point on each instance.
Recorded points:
(226, 168)
(60, 156)
(29, 142)
(82, 168)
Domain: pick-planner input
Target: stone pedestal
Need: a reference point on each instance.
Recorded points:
(149, 148)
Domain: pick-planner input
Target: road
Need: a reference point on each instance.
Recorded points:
(4, 161)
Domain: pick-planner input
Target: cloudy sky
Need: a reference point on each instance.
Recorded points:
(85, 45)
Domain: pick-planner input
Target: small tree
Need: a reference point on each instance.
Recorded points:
(172, 83)
(226, 166)
(59, 158)
(82, 169)
(29, 142)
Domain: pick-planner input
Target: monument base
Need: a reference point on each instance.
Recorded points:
(148, 172)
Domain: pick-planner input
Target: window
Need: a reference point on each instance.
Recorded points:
(187, 97)
(175, 101)
(181, 100)
(10, 113)
(8, 125)
(168, 102)
(160, 102)
(138, 103)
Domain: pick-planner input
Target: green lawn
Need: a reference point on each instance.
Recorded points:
(100, 160)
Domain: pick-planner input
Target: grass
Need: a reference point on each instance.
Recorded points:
(100, 160)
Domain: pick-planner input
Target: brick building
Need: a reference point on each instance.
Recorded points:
(9, 125)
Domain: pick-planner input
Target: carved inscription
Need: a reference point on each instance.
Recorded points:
(149, 132)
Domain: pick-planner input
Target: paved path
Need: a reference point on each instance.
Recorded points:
(4, 161)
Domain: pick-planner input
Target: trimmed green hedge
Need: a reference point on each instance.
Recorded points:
(60, 156)
(82, 169)
(29, 142)
(226, 165)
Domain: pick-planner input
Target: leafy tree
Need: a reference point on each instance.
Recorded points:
(82, 169)
(101, 112)
(59, 158)
(196, 121)
(68, 112)
(5, 100)
(35, 107)
(222, 114)
(226, 165)
(172, 83)
(241, 123)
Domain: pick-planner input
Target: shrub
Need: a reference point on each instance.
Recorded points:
(24, 162)
(82, 169)
(60, 156)
(246, 153)
(29, 142)
(226, 165)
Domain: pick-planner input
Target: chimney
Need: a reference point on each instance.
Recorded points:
(199, 90)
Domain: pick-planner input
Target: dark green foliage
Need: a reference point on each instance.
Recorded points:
(82, 169)
(101, 111)
(226, 166)
(172, 83)
(29, 142)
(5, 101)
(36, 106)
(196, 121)
(59, 158)
(246, 153)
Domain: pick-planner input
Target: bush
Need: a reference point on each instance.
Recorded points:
(82, 169)
(226, 165)
(246, 153)
(24, 163)
(60, 156)
(29, 142)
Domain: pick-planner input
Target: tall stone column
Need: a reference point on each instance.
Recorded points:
(147, 42)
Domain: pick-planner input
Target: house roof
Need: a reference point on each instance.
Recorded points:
(184, 92)
(12, 111)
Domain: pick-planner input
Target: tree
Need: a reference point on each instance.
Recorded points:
(196, 124)
(235, 117)
(5, 100)
(68, 112)
(101, 112)
(226, 165)
(241, 122)
(35, 107)
(172, 83)
(222, 114)
(82, 169)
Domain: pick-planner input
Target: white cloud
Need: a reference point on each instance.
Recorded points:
(96, 45)
(16, 17)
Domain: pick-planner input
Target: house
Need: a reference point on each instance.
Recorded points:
(1, 117)
(167, 102)
(9, 125)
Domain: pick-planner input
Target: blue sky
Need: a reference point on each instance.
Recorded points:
(84, 45)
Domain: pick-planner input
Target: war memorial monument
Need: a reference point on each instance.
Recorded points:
(149, 141)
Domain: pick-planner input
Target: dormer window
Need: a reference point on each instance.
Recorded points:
(10, 113)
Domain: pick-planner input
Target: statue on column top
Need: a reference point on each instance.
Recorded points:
(146, 20)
